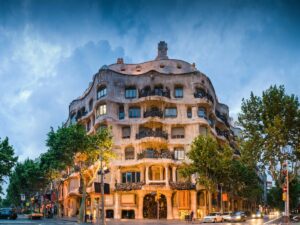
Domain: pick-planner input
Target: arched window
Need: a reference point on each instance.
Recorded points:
(202, 112)
(126, 132)
(101, 110)
(101, 92)
(129, 153)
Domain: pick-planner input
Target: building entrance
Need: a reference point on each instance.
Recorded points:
(150, 207)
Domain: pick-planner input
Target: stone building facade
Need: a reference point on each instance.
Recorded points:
(155, 109)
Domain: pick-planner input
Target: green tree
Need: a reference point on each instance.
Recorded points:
(215, 164)
(7, 160)
(72, 147)
(26, 179)
(271, 130)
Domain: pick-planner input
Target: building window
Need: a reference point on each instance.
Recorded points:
(178, 92)
(211, 121)
(121, 112)
(202, 130)
(177, 132)
(101, 92)
(171, 112)
(134, 112)
(131, 177)
(129, 153)
(130, 92)
(189, 112)
(125, 132)
(91, 102)
(101, 110)
(202, 112)
(179, 153)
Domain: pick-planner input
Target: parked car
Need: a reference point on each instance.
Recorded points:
(8, 213)
(35, 215)
(213, 218)
(226, 216)
(257, 214)
(238, 216)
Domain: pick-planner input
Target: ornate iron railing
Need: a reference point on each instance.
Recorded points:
(129, 186)
(155, 92)
(153, 113)
(151, 133)
(182, 185)
(154, 154)
(203, 94)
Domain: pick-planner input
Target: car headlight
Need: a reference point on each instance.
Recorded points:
(253, 215)
(238, 217)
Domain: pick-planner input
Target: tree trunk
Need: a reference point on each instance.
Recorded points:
(82, 204)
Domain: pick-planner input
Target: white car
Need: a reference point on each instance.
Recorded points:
(213, 218)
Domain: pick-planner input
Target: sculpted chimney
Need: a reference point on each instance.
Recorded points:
(162, 51)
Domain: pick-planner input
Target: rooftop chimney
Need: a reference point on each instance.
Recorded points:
(120, 61)
(162, 51)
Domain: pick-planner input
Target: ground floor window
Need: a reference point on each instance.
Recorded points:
(128, 214)
(109, 213)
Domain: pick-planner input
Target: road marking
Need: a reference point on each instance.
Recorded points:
(272, 220)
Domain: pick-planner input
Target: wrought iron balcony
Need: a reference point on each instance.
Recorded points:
(203, 94)
(154, 154)
(129, 186)
(155, 92)
(223, 118)
(153, 113)
(182, 185)
(151, 133)
(223, 133)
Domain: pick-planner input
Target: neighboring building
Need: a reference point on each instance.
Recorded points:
(155, 109)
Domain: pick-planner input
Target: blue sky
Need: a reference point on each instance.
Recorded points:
(49, 51)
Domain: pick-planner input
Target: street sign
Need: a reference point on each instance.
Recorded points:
(22, 197)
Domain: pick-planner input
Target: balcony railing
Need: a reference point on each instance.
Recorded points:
(155, 92)
(151, 133)
(153, 154)
(222, 133)
(153, 113)
(203, 94)
(129, 186)
(182, 185)
(223, 118)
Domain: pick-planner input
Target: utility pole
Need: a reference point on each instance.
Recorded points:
(221, 198)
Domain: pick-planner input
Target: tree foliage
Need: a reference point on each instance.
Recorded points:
(214, 164)
(27, 178)
(271, 129)
(7, 160)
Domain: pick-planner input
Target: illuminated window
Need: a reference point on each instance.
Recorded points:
(101, 110)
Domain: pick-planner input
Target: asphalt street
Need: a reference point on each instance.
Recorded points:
(22, 220)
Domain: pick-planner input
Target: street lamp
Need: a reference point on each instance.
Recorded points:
(101, 173)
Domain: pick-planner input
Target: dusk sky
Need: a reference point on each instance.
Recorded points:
(49, 51)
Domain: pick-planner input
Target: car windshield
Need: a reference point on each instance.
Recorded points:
(212, 214)
(237, 213)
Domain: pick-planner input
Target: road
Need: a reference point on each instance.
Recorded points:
(22, 220)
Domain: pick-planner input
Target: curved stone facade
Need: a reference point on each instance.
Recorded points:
(155, 110)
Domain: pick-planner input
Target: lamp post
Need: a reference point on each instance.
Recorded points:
(221, 197)
(101, 172)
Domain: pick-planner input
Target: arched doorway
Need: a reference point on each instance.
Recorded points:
(150, 207)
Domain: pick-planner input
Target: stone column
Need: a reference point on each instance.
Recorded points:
(116, 206)
(209, 202)
(169, 206)
(194, 202)
(167, 175)
(142, 174)
(147, 175)
(161, 173)
(118, 175)
(140, 205)
(174, 173)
